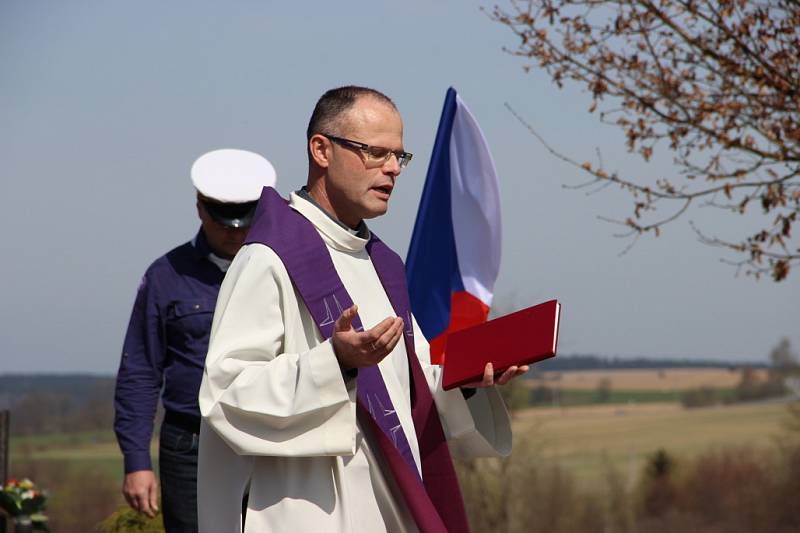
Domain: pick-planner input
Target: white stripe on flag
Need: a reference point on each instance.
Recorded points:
(475, 205)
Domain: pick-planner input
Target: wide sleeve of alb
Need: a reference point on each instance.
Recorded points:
(477, 427)
(258, 396)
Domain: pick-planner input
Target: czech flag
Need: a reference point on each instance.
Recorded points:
(454, 256)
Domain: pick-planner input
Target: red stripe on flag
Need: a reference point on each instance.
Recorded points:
(465, 310)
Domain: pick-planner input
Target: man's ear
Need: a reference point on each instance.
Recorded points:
(320, 149)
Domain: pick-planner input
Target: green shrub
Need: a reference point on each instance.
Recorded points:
(515, 395)
(750, 388)
(126, 520)
(699, 397)
(658, 490)
(541, 395)
(527, 493)
(602, 393)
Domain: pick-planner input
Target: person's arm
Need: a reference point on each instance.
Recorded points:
(138, 385)
(476, 424)
(261, 392)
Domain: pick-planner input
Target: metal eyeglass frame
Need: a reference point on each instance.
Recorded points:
(403, 158)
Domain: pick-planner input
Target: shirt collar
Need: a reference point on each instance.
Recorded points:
(203, 251)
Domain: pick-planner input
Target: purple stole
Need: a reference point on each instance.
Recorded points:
(435, 500)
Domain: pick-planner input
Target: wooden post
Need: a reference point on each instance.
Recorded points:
(5, 419)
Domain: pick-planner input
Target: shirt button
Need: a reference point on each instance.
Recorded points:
(197, 306)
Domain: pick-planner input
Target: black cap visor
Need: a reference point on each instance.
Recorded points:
(231, 215)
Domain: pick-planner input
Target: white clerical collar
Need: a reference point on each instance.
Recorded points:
(332, 232)
(361, 230)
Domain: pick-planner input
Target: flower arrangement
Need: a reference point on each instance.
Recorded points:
(24, 502)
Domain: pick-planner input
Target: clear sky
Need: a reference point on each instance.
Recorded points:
(104, 105)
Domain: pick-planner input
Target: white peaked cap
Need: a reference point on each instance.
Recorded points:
(230, 175)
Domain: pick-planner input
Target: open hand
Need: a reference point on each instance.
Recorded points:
(489, 377)
(356, 349)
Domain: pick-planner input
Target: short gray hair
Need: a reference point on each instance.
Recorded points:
(334, 103)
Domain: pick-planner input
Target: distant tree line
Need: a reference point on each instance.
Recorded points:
(78, 386)
(47, 403)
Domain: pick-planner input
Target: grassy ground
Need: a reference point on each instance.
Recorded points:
(587, 440)
(93, 452)
(82, 472)
(584, 440)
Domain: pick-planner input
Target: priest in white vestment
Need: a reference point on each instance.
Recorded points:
(279, 401)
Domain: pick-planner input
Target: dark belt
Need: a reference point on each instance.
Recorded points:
(186, 422)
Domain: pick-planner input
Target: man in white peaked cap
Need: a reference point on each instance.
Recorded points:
(167, 338)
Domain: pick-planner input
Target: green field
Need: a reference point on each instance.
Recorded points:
(585, 441)
(93, 452)
(574, 397)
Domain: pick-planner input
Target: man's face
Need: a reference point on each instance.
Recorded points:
(357, 188)
(224, 241)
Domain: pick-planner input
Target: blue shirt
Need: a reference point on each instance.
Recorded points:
(166, 345)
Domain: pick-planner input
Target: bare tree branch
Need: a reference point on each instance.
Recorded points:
(715, 82)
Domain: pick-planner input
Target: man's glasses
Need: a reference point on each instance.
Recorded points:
(374, 155)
